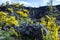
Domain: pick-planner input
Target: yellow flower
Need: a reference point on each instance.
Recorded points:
(8, 21)
(43, 21)
(24, 15)
(12, 18)
(15, 22)
(25, 10)
(10, 9)
(53, 18)
(48, 28)
(3, 13)
(49, 24)
(3, 16)
(21, 13)
(12, 21)
(16, 4)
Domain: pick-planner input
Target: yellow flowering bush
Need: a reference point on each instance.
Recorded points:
(51, 25)
(10, 23)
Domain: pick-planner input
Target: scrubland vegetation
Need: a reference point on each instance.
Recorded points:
(16, 24)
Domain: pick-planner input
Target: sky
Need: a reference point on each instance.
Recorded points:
(32, 3)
